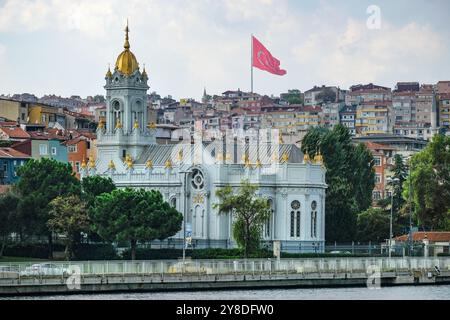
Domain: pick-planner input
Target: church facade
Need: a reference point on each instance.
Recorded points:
(189, 171)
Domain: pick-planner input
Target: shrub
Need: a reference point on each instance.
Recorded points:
(39, 251)
(83, 252)
(173, 254)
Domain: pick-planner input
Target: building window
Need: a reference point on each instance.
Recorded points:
(268, 222)
(377, 161)
(173, 202)
(53, 151)
(43, 149)
(292, 224)
(376, 195)
(77, 166)
(72, 149)
(298, 224)
(377, 178)
(5, 170)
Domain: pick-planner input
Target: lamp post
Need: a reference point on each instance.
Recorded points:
(184, 211)
(392, 182)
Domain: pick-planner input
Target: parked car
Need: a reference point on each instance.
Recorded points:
(45, 269)
(340, 252)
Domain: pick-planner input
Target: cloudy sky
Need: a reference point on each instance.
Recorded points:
(64, 46)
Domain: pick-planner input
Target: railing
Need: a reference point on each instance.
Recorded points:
(18, 271)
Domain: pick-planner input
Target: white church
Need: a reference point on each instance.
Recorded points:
(189, 171)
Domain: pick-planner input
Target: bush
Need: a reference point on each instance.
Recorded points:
(444, 254)
(83, 252)
(174, 254)
(39, 251)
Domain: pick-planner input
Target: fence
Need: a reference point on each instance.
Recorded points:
(220, 267)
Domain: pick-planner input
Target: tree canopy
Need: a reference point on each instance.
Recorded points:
(350, 177)
(134, 215)
(250, 213)
(430, 182)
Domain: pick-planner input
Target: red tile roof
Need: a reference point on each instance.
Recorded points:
(12, 153)
(15, 132)
(432, 236)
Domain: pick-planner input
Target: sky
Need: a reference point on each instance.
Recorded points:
(63, 47)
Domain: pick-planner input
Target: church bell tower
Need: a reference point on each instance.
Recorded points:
(126, 131)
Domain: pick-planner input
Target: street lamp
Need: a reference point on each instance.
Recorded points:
(392, 182)
(184, 210)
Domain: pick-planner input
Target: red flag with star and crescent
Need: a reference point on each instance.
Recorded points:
(263, 59)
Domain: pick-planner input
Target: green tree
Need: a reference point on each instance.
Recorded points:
(350, 177)
(68, 217)
(327, 95)
(293, 96)
(134, 215)
(250, 212)
(430, 181)
(8, 207)
(41, 181)
(373, 225)
(94, 186)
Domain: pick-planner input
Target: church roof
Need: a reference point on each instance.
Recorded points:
(126, 62)
(159, 154)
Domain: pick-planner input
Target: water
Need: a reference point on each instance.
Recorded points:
(385, 293)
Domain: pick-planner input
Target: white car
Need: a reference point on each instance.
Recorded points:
(44, 269)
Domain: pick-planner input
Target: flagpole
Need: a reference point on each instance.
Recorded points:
(251, 61)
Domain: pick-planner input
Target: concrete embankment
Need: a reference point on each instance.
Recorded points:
(139, 276)
(148, 283)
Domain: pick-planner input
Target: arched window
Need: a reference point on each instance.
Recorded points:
(314, 219)
(268, 222)
(173, 202)
(295, 219)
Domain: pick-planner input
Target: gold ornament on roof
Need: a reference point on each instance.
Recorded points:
(306, 157)
(126, 61)
(180, 155)
(219, 156)
(111, 165)
(280, 138)
(83, 164)
(258, 164)
(108, 73)
(318, 158)
(91, 162)
(144, 73)
(101, 125)
(228, 157)
(151, 126)
(149, 164)
(168, 164)
(247, 163)
(285, 158)
(119, 124)
(129, 163)
(136, 124)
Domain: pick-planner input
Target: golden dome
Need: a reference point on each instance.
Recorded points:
(126, 61)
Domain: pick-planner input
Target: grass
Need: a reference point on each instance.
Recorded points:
(19, 259)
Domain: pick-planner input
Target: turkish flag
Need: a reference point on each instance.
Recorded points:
(263, 59)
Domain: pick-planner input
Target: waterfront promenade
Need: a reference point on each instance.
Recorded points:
(136, 276)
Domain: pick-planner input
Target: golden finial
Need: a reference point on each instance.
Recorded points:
(247, 163)
(306, 157)
(180, 155)
(168, 164)
(149, 164)
(220, 156)
(274, 158)
(280, 138)
(136, 124)
(83, 164)
(129, 163)
(258, 164)
(284, 158)
(144, 73)
(151, 126)
(228, 157)
(91, 162)
(318, 158)
(109, 74)
(119, 124)
(101, 125)
(111, 165)
(127, 44)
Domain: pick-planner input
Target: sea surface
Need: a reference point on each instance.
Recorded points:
(385, 293)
